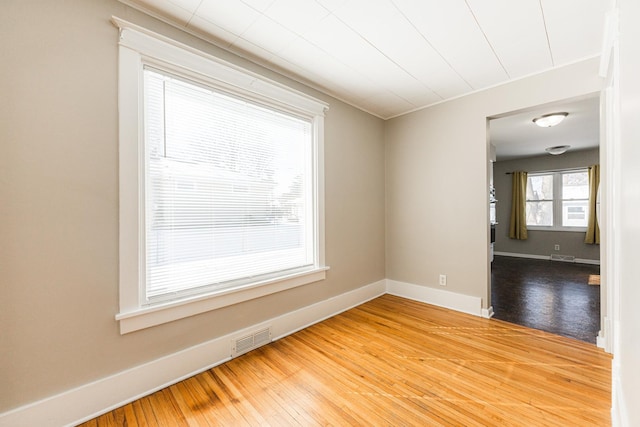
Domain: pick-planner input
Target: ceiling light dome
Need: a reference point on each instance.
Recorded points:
(548, 120)
(558, 149)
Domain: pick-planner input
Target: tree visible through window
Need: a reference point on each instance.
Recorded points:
(540, 200)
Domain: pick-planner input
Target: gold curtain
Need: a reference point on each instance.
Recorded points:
(593, 230)
(518, 225)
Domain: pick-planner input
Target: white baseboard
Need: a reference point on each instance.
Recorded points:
(459, 302)
(532, 256)
(516, 255)
(98, 397)
(295, 321)
(487, 313)
(587, 261)
(601, 341)
(608, 335)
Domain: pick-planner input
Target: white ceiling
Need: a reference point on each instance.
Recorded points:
(517, 136)
(389, 57)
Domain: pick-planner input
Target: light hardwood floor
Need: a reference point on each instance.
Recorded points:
(393, 362)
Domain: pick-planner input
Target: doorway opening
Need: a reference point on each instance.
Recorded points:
(543, 281)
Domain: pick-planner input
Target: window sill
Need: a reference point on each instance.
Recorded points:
(145, 317)
(565, 229)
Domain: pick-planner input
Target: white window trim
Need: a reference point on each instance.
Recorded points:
(558, 228)
(557, 203)
(139, 47)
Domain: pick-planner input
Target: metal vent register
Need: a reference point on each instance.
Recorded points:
(249, 342)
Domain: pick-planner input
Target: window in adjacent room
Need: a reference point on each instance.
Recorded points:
(558, 200)
(221, 184)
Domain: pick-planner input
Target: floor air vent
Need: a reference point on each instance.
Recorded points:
(249, 342)
(565, 258)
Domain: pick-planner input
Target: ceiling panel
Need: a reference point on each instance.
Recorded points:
(331, 5)
(211, 32)
(520, 41)
(269, 34)
(575, 28)
(259, 5)
(190, 5)
(296, 15)
(324, 68)
(177, 13)
(388, 31)
(338, 40)
(231, 15)
(451, 29)
(392, 56)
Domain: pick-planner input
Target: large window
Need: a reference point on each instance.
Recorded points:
(220, 183)
(228, 189)
(558, 200)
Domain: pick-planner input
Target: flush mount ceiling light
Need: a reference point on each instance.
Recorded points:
(558, 149)
(548, 120)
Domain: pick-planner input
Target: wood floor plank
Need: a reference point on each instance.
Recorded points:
(191, 402)
(131, 420)
(393, 361)
(147, 411)
(106, 420)
(138, 412)
(166, 412)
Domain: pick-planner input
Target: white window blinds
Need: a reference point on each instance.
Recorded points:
(228, 189)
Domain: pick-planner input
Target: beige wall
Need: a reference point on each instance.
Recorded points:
(437, 179)
(59, 204)
(628, 198)
(540, 242)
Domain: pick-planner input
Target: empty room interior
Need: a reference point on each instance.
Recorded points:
(319, 212)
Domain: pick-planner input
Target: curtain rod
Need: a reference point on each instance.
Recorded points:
(556, 170)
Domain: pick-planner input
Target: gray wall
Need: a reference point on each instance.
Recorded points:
(59, 204)
(540, 242)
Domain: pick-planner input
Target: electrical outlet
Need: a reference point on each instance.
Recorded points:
(556, 247)
(443, 280)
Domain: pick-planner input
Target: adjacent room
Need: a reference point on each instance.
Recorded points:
(547, 276)
(275, 212)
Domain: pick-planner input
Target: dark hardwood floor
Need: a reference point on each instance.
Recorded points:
(550, 296)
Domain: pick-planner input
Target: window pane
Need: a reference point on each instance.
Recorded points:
(540, 187)
(540, 213)
(228, 188)
(575, 185)
(575, 213)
